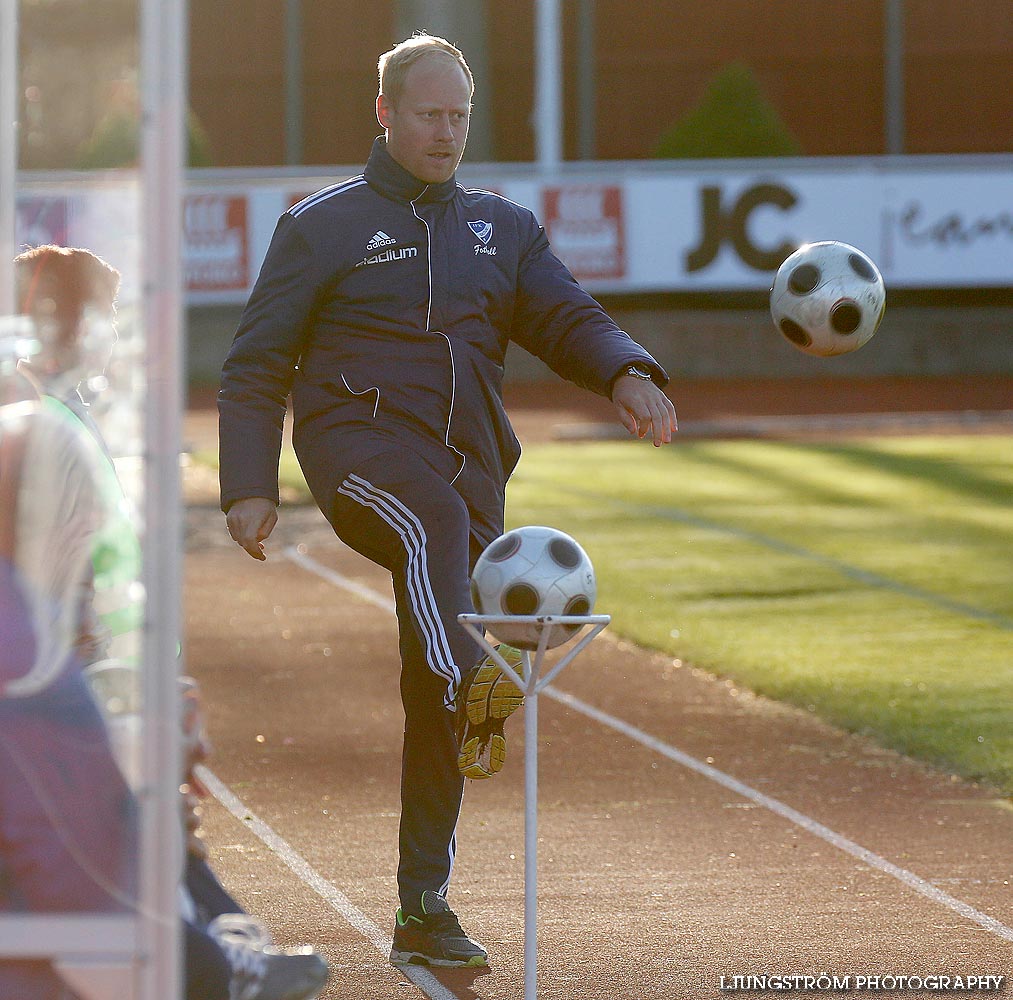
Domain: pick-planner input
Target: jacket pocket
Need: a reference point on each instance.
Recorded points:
(364, 392)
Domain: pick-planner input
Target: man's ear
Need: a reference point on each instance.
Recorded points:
(383, 110)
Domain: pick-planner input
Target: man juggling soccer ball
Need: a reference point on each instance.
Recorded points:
(385, 305)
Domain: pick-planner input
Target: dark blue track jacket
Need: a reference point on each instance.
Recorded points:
(385, 306)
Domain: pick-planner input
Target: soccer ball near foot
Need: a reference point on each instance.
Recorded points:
(533, 571)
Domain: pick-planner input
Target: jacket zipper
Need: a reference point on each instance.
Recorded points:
(450, 347)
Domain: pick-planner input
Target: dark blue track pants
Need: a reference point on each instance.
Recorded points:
(400, 512)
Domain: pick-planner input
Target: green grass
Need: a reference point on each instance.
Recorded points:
(870, 581)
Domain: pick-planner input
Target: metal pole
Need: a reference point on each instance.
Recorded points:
(531, 833)
(467, 26)
(8, 149)
(893, 76)
(531, 683)
(163, 75)
(548, 86)
(294, 135)
(586, 99)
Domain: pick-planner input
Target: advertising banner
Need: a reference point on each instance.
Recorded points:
(39, 220)
(216, 251)
(584, 223)
(928, 222)
(727, 227)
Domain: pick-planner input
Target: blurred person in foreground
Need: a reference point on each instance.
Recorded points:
(70, 296)
(385, 305)
(68, 830)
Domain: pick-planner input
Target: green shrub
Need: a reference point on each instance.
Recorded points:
(116, 139)
(732, 119)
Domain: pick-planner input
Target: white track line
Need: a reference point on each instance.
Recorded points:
(786, 812)
(327, 891)
(299, 556)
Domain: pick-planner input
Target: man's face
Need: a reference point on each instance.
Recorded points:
(427, 130)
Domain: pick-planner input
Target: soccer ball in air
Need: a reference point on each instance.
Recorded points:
(533, 571)
(828, 298)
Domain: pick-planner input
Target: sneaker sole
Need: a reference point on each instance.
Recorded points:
(469, 760)
(417, 958)
(492, 695)
(491, 699)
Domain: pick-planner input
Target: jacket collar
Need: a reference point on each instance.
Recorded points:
(384, 174)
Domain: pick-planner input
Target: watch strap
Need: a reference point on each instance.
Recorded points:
(638, 371)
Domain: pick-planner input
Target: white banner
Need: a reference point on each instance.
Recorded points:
(934, 222)
(727, 228)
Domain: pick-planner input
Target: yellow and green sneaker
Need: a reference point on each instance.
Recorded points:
(434, 938)
(486, 699)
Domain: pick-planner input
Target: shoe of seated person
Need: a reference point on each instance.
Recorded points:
(434, 938)
(486, 699)
(260, 969)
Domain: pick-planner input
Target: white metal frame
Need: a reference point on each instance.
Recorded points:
(8, 148)
(134, 955)
(531, 683)
(163, 103)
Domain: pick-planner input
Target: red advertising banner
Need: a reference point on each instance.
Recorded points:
(216, 243)
(585, 226)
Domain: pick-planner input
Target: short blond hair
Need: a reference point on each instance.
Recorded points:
(393, 66)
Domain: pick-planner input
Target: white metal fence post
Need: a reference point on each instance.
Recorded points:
(163, 76)
(8, 148)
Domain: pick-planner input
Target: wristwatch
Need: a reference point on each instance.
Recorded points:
(638, 371)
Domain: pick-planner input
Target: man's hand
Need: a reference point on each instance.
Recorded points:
(250, 521)
(643, 407)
